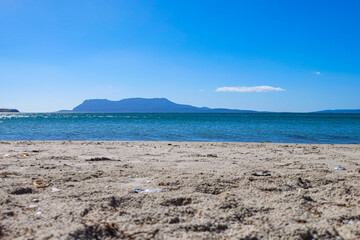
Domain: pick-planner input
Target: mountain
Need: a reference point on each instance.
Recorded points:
(340, 111)
(8, 110)
(144, 105)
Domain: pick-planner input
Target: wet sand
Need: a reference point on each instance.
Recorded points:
(208, 190)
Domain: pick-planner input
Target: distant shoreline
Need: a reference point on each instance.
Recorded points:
(171, 142)
(254, 112)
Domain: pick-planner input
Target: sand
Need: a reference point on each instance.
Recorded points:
(208, 190)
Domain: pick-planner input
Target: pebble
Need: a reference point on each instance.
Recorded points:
(54, 189)
(35, 200)
(9, 213)
(261, 173)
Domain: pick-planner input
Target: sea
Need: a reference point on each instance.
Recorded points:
(209, 127)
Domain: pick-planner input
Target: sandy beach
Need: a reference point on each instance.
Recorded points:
(85, 190)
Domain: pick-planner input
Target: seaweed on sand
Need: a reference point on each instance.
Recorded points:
(106, 230)
(96, 231)
(1, 231)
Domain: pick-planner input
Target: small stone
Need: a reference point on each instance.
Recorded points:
(174, 220)
(137, 190)
(32, 206)
(35, 200)
(9, 213)
(54, 189)
(211, 155)
(261, 173)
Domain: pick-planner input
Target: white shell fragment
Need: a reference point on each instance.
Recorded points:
(340, 168)
(54, 189)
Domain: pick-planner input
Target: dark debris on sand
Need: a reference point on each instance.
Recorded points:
(97, 159)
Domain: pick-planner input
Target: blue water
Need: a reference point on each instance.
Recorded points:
(246, 127)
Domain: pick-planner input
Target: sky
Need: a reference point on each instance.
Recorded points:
(293, 56)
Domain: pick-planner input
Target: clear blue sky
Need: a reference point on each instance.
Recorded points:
(55, 54)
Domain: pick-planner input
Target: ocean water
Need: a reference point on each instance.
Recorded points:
(239, 127)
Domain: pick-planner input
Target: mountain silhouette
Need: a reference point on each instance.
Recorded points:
(8, 110)
(159, 105)
(144, 105)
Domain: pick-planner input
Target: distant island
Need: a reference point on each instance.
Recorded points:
(2, 110)
(144, 105)
(160, 105)
(340, 111)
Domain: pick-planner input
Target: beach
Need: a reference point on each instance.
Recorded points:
(178, 190)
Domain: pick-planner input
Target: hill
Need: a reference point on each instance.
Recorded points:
(144, 105)
(8, 110)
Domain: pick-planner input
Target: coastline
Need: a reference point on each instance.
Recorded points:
(208, 190)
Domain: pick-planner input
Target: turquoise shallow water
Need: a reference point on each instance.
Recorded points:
(240, 127)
